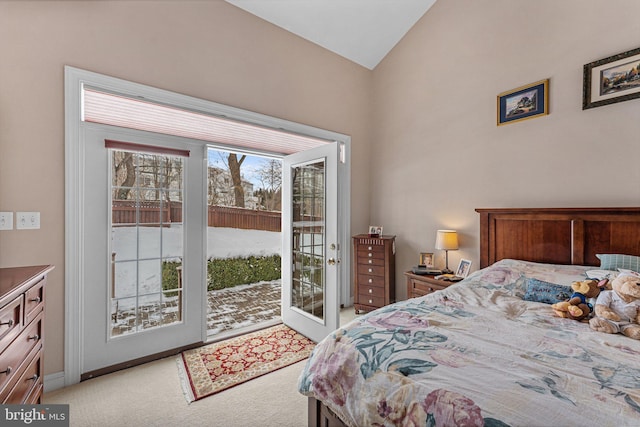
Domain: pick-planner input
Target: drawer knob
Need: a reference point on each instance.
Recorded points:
(370, 270)
(370, 254)
(370, 261)
(7, 371)
(370, 248)
(370, 280)
(34, 377)
(35, 337)
(9, 323)
(370, 291)
(370, 301)
(36, 300)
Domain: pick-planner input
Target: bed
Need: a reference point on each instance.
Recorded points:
(484, 351)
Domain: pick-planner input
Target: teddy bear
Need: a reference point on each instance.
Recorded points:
(618, 310)
(578, 307)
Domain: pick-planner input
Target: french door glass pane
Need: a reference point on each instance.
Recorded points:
(308, 193)
(146, 241)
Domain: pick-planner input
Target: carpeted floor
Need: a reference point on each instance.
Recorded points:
(151, 395)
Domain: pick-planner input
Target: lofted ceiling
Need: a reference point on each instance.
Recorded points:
(363, 31)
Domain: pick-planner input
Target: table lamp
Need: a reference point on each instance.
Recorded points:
(447, 240)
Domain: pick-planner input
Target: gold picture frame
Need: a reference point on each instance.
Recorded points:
(525, 102)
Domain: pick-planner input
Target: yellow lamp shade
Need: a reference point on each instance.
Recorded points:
(447, 240)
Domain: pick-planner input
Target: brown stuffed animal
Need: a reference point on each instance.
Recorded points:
(619, 310)
(577, 306)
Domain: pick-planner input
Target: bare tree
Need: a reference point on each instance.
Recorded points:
(236, 177)
(270, 176)
(125, 173)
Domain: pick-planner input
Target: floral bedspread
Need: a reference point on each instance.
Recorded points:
(477, 354)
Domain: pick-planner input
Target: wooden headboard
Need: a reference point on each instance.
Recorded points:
(558, 235)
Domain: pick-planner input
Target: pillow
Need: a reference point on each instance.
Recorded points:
(548, 293)
(616, 261)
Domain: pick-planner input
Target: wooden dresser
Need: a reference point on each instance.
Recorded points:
(419, 285)
(21, 327)
(374, 271)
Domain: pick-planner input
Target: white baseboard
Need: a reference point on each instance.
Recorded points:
(53, 381)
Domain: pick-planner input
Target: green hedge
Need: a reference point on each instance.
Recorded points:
(228, 272)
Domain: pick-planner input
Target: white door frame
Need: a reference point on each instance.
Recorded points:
(74, 228)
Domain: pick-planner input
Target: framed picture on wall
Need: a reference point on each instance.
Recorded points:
(525, 102)
(610, 80)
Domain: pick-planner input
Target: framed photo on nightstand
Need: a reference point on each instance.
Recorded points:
(463, 268)
(426, 259)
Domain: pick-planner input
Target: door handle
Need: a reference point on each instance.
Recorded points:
(333, 261)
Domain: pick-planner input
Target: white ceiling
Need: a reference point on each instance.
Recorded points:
(363, 31)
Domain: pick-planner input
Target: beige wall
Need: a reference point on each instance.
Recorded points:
(437, 149)
(428, 109)
(210, 50)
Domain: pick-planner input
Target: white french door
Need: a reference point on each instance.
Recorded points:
(108, 324)
(311, 247)
(143, 245)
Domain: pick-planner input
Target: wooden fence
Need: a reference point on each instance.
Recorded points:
(154, 213)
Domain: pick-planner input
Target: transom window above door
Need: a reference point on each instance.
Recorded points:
(117, 110)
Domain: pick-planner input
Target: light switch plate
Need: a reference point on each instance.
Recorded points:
(6, 220)
(28, 220)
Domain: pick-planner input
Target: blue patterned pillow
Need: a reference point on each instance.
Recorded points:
(616, 261)
(548, 293)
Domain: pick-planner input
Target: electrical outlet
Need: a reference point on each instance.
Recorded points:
(28, 220)
(6, 220)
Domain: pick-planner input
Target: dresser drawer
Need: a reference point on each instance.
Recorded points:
(34, 301)
(371, 301)
(35, 396)
(423, 288)
(418, 286)
(372, 270)
(368, 280)
(371, 261)
(371, 291)
(10, 322)
(30, 381)
(12, 359)
(21, 329)
(371, 251)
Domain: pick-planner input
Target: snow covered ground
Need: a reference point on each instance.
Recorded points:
(149, 244)
(221, 242)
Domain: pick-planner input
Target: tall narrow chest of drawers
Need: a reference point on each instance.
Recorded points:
(21, 328)
(374, 271)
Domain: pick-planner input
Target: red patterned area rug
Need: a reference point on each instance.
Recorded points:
(215, 367)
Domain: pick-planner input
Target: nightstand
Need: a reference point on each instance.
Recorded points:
(419, 285)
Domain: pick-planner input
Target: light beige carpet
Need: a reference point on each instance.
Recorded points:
(151, 395)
